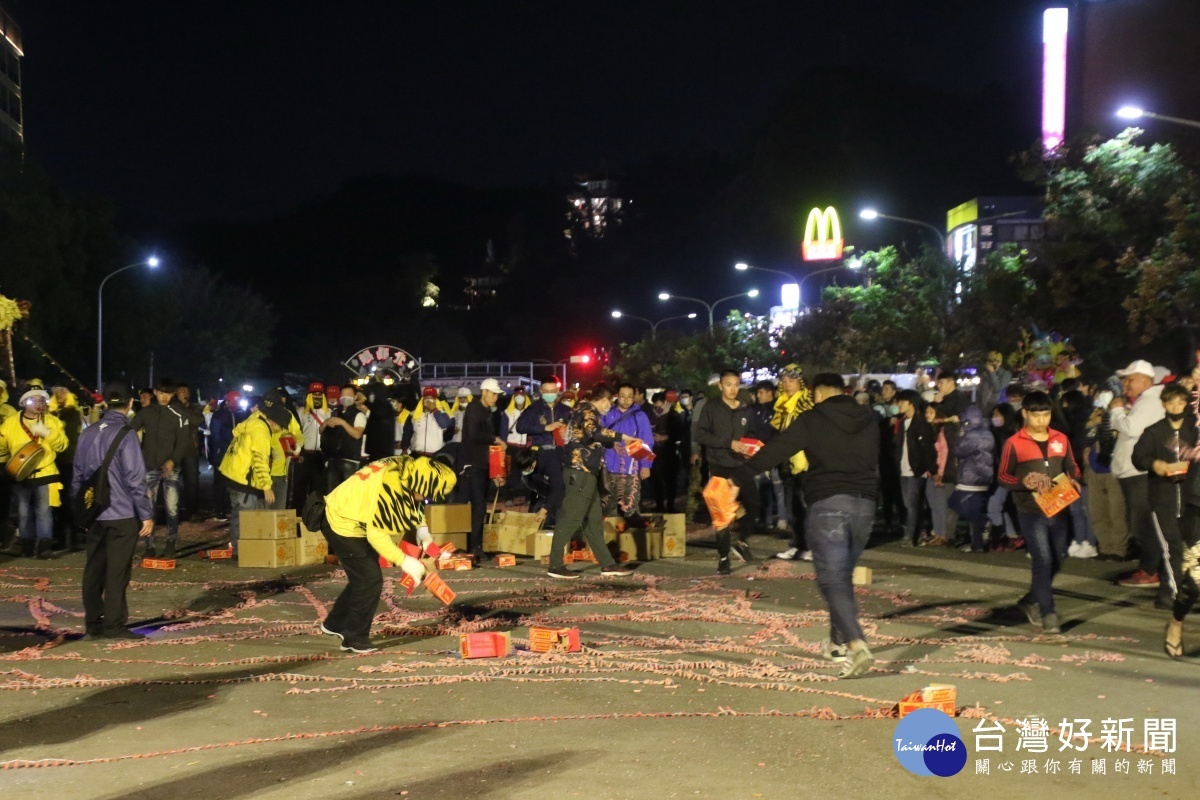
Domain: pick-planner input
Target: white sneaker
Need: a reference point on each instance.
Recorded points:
(806, 555)
(781, 525)
(789, 554)
(1073, 550)
(1088, 550)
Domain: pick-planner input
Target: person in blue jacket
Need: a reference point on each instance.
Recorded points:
(625, 473)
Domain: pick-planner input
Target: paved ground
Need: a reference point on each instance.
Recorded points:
(689, 685)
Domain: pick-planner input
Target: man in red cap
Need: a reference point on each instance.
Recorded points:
(220, 435)
(310, 466)
(428, 428)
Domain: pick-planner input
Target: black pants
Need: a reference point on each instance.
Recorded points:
(309, 476)
(338, 470)
(664, 481)
(1167, 511)
(550, 467)
(354, 609)
(1189, 592)
(580, 513)
(478, 484)
(189, 473)
(748, 497)
(1141, 526)
(110, 546)
(889, 485)
(220, 492)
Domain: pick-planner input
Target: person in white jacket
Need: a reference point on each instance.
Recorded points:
(1140, 408)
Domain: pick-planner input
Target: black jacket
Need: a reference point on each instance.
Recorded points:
(922, 450)
(478, 434)
(716, 429)
(165, 435)
(1166, 494)
(841, 442)
(760, 422)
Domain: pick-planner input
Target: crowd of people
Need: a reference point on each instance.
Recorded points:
(953, 461)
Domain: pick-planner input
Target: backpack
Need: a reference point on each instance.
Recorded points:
(93, 497)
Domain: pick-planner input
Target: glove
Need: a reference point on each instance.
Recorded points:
(424, 537)
(413, 568)
(39, 429)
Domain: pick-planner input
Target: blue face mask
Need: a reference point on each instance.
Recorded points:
(549, 397)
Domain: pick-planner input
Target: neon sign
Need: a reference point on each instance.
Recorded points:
(383, 358)
(822, 236)
(1054, 77)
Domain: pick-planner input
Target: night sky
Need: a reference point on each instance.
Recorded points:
(184, 111)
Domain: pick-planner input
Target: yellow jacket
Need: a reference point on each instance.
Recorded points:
(6, 410)
(385, 499)
(13, 437)
(247, 462)
(279, 459)
(787, 408)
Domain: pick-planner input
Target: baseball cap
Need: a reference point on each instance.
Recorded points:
(316, 387)
(272, 407)
(792, 370)
(464, 392)
(232, 397)
(1161, 374)
(32, 393)
(429, 391)
(491, 385)
(117, 392)
(672, 396)
(1139, 367)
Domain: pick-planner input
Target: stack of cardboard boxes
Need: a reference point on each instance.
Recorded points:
(278, 539)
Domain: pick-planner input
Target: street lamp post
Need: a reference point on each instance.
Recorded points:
(151, 262)
(653, 325)
(1133, 112)
(870, 214)
(705, 303)
(849, 264)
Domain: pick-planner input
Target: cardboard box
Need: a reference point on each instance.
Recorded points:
(268, 525)
(449, 518)
(408, 583)
(557, 640)
(941, 696)
(506, 560)
(861, 576)
(267, 553)
(1060, 495)
(637, 544)
(721, 501)
(510, 533)
(458, 540)
(637, 449)
(538, 544)
(906, 707)
(438, 588)
(158, 563)
(485, 645)
(754, 444)
(939, 693)
(456, 563)
(218, 553)
(583, 556)
(311, 550)
(674, 536)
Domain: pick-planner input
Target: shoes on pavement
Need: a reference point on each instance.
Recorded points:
(562, 573)
(169, 550)
(741, 550)
(833, 652)
(1031, 611)
(1140, 579)
(150, 552)
(723, 567)
(360, 647)
(781, 525)
(1050, 624)
(1073, 550)
(806, 555)
(858, 662)
(790, 554)
(341, 638)
(617, 570)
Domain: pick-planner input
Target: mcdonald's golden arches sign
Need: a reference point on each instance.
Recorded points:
(822, 236)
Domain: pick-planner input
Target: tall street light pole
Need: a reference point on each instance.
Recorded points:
(870, 214)
(706, 304)
(653, 325)
(849, 264)
(151, 262)
(1133, 112)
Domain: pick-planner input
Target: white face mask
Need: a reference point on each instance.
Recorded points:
(519, 402)
(346, 401)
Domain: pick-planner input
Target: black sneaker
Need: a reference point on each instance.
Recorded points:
(1031, 611)
(169, 550)
(1050, 624)
(562, 573)
(359, 647)
(341, 637)
(124, 633)
(617, 570)
(150, 552)
(723, 567)
(741, 550)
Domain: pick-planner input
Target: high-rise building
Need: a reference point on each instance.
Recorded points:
(595, 208)
(12, 117)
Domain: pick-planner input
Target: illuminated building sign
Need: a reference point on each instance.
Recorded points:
(790, 295)
(1054, 77)
(383, 358)
(822, 236)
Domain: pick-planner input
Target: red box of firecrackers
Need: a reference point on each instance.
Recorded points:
(438, 588)
(556, 640)
(1060, 495)
(506, 560)
(754, 444)
(217, 553)
(940, 696)
(456, 563)
(583, 555)
(496, 465)
(637, 449)
(485, 645)
(720, 496)
(158, 563)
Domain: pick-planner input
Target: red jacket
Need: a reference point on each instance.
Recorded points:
(1023, 455)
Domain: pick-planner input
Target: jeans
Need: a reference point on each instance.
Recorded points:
(912, 489)
(580, 513)
(240, 501)
(997, 515)
(972, 506)
(1081, 526)
(939, 508)
(838, 529)
(279, 486)
(1141, 527)
(550, 469)
(171, 485)
(33, 509)
(1046, 540)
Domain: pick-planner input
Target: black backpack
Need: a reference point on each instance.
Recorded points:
(93, 498)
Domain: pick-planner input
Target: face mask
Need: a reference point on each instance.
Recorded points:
(571, 404)
(893, 410)
(997, 422)
(549, 397)
(519, 402)
(1176, 417)
(1016, 404)
(346, 401)
(685, 401)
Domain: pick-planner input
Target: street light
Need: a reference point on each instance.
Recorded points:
(871, 214)
(151, 262)
(1133, 112)
(853, 263)
(653, 325)
(743, 266)
(706, 304)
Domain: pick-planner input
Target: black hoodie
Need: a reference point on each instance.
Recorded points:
(841, 441)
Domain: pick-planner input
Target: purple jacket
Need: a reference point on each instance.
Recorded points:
(635, 423)
(126, 473)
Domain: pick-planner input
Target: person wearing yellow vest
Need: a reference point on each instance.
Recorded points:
(41, 491)
(285, 446)
(384, 499)
(6, 411)
(247, 463)
(793, 400)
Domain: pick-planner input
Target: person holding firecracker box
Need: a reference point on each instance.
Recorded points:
(1162, 452)
(1032, 458)
(625, 472)
(583, 458)
(723, 424)
(386, 498)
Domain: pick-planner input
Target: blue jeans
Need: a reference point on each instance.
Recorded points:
(171, 485)
(33, 509)
(240, 501)
(996, 514)
(1046, 540)
(1081, 526)
(911, 490)
(939, 508)
(972, 506)
(838, 529)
